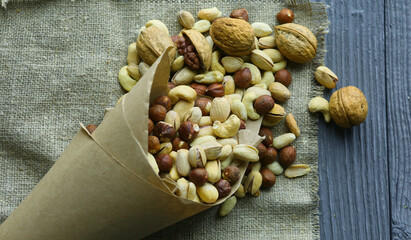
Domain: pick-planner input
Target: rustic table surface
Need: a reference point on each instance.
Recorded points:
(365, 172)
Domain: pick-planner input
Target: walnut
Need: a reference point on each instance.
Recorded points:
(186, 48)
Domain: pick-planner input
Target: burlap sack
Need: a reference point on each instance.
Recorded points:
(58, 67)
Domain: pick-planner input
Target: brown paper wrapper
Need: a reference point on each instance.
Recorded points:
(102, 186)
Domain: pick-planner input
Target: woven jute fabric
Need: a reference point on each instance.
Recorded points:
(58, 66)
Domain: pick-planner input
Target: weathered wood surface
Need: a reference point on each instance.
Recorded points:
(365, 172)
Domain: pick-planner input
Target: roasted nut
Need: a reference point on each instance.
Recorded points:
(194, 116)
(179, 144)
(275, 167)
(157, 113)
(204, 104)
(215, 62)
(178, 64)
(152, 42)
(173, 119)
(262, 151)
(229, 85)
(261, 29)
(182, 164)
(206, 131)
(227, 206)
(245, 152)
(285, 16)
(153, 163)
(163, 101)
(133, 71)
(279, 91)
(192, 192)
(283, 76)
(165, 148)
(188, 131)
(255, 166)
(164, 162)
(204, 140)
(261, 60)
(195, 49)
(228, 128)
(263, 104)
(132, 55)
(220, 109)
(270, 156)
(320, 104)
(91, 128)
(240, 191)
(209, 14)
(201, 89)
(202, 26)
(197, 157)
(268, 134)
(125, 80)
(150, 126)
(233, 36)
(240, 13)
(170, 86)
(295, 42)
(266, 42)
(182, 185)
(279, 65)
(242, 78)
(205, 121)
(255, 73)
(215, 90)
(287, 156)
(223, 188)
(274, 116)
(207, 193)
(183, 76)
(182, 92)
(211, 147)
(153, 144)
(198, 176)
(297, 170)
(274, 54)
(213, 169)
(159, 24)
(326, 77)
(231, 174)
(292, 124)
(253, 182)
(248, 101)
(232, 64)
(186, 19)
(268, 178)
(209, 77)
(283, 140)
(348, 107)
(164, 131)
(238, 108)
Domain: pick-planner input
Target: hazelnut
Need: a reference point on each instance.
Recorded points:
(198, 176)
(242, 78)
(285, 16)
(223, 188)
(199, 88)
(164, 162)
(242, 124)
(268, 134)
(263, 104)
(157, 113)
(164, 131)
(215, 90)
(268, 178)
(287, 156)
(262, 150)
(204, 104)
(90, 128)
(153, 144)
(163, 101)
(270, 156)
(150, 126)
(241, 13)
(170, 86)
(188, 131)
(283, 76)
(231, 174)
(179, 144)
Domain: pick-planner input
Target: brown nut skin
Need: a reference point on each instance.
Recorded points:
(178, 144)
(248, 169)
(199, 88)
(163, 101)
(240, 13)
(188, 131)
(91, 128)
(170, 86)
(204, 104)
(164, 162)
(198, 176)
(348, 107)
(262, 150)
(223, 188)
(153, 144)
(242, 124)
(164, 131)
(242, 78)
(215, 90)
(283, 76)
(263, 104)
(268, 178)
(285, 16)
(268, 134)
(157, 113)
(231, 174)
(150, 126)
(270, 156)
(287, 156)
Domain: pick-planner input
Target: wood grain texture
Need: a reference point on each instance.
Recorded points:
(398, 88)
(354, 186)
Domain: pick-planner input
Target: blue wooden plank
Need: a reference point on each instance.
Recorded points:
(398, 87)
(353, 162)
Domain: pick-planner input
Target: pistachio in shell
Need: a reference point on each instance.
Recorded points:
(202, 47)
(295, 42)
(233, 36)
(152, 42)
(348, 107)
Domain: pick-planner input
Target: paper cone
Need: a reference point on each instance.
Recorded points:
(102, 186)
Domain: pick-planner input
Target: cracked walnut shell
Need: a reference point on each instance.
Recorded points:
(348, 107)
(202, 47)
(233, 36)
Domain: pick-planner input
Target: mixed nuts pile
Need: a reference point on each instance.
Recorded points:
(198, 132)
